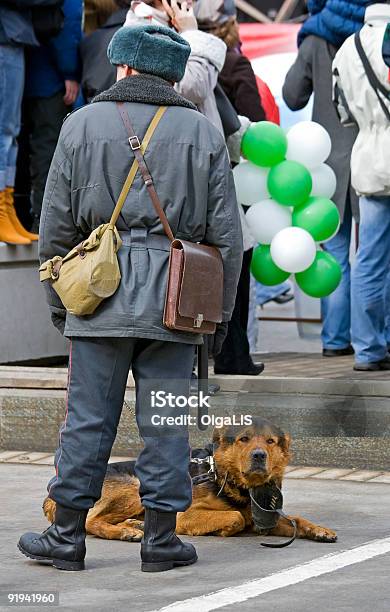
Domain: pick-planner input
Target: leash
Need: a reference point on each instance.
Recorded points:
(203, 381)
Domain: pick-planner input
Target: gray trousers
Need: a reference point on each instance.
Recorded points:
(98, 370)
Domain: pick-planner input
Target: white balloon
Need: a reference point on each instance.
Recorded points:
(324, 181)
(308, 143)
(250, 182)
(266, 219)
(293, 249)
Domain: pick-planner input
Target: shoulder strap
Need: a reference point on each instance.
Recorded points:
(138, 151)
(372, 77)
(133, 170)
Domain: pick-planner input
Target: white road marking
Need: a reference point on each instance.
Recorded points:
(280, 580)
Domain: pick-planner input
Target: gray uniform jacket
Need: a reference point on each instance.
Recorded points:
(312, 72)
(188, 160)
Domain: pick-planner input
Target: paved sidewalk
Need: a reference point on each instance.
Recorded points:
(113, 582)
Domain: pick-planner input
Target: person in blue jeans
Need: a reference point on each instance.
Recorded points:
(329, 24)
(11, 91)
(280, 294)
(365, 99)
(387, 311)
(371, 286)
(336, 308)
(16, 31)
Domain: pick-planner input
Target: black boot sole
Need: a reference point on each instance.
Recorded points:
(250, 372)
(61, 564)
(163, 566)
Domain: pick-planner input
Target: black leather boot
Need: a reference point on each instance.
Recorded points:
(63, 542)
(161, 549)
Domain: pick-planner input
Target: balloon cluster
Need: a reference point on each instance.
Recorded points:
(288, 188)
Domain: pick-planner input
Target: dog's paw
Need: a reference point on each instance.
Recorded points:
(135, 523)
(322, 534)
(133, 531)
(129, 534)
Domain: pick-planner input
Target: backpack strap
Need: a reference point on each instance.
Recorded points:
(133, 170)
(372, 77)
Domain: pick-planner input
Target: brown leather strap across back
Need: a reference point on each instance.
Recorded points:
(134, 167)
(138, 151)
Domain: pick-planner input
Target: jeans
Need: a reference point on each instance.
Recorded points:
(336, 309)
(387, 311)
(265, 293)
(370, 275)
(11, 92)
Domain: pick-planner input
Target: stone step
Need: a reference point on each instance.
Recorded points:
(327, 430)
(337, 417)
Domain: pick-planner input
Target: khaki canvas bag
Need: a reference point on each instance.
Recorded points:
(90, 272)
(194, 294)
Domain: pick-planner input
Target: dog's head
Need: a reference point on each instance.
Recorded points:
(252, 455)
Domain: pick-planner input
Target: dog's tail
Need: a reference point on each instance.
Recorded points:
(49, 509)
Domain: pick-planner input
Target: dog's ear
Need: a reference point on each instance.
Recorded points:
(284, 442)
(217, 436)
(222, 435)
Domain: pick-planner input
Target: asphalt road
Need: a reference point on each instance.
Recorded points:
(113, 581)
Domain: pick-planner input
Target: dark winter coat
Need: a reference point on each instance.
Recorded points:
(239, 83)
(312, 72)
(15, 21)
(334, 20)
(188, 159)
(48, 66)
(97, 72)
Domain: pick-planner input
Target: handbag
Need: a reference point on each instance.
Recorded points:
(90, 272)
(194, 293)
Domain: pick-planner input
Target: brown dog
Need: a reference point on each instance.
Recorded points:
(245, 457)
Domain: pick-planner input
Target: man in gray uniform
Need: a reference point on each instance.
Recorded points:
(188, 160)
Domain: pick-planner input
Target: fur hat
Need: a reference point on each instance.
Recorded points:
(150, 49)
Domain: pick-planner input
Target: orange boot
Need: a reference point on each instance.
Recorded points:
(9, 197)
(7, 231)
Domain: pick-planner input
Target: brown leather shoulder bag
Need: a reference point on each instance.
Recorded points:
(194, 295)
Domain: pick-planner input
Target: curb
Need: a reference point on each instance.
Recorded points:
(292, 473)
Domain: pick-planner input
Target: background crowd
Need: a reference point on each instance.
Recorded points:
(53, 59)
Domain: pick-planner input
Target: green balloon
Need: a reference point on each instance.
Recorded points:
(263, 268)
(290, 183)
(264, 144)
(323, 276)
(318, 216)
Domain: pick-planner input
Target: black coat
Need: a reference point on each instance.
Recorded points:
(97, 72)
(16, 22)
(239, 83)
